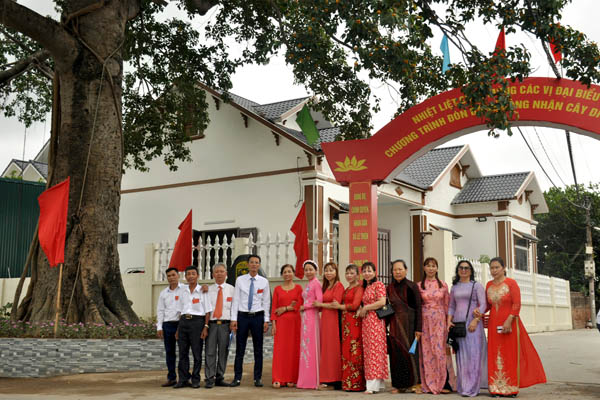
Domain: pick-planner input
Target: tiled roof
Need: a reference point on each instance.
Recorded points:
(247, 104)
(273, 110)
(491, 188)
(42, 168)
(326, 135)
(424, 170)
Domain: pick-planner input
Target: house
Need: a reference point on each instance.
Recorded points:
(35, 170)
(252, 168)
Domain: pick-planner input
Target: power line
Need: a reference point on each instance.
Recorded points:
(534, 156)
(548, 157)
(571, 158)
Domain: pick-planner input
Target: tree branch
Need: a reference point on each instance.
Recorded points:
(47, 32)
(21, 66)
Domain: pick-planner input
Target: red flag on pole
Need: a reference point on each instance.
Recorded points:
(556, 53)
(501, 43)
(182, 253)
(300, 229)
(52, 229)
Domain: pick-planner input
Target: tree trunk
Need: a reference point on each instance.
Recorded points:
(88, 122)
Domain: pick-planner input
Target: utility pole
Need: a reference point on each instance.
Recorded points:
(590, 268)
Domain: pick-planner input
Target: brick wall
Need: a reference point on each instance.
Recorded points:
(51, 357)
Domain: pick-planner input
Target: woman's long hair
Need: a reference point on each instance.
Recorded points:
(362, 269)
(456, 278)
(335, 280)
(427, 260)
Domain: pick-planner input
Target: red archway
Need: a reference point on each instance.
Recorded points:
(360, 164)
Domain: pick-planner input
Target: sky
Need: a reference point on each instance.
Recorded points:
(275, 82)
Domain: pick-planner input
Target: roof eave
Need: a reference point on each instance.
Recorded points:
(264, 121)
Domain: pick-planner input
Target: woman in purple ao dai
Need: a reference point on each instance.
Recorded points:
(471, 357)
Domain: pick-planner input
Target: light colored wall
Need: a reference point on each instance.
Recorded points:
(396, 218)
(442, 195)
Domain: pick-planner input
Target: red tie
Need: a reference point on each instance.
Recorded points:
(219, 307)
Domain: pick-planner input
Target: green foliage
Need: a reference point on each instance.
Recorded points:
(124, 330)
(334, 47)
(5, 311)
(562, 234)
(484, 259)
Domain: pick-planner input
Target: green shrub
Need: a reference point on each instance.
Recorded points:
(124, 330)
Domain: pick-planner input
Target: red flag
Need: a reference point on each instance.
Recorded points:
(52, 230)
(556, 53)
(501, 43)
(182, 253)
(300, 229)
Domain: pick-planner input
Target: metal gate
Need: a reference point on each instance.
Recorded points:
(383, 256)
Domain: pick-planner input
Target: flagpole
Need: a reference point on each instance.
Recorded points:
(58, 298)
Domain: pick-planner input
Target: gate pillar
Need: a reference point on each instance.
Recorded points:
(363, 223)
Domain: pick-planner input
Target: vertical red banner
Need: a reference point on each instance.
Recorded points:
(363, 223)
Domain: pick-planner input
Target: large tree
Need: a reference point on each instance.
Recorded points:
(562, 233)
(119, 78)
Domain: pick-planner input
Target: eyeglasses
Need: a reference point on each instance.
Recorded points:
(464, 268)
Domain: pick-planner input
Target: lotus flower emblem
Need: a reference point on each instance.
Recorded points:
(350, 164)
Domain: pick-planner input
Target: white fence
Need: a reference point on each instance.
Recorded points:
(274, 250)
(535, 288)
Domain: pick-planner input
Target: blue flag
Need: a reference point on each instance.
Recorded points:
(446, 53)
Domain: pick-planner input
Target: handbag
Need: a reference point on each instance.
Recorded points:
(385, 311)
(459, 330)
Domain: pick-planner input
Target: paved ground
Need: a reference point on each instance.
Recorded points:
(571, 360)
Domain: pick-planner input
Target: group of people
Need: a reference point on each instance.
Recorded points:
(326, 335)
(194, 316)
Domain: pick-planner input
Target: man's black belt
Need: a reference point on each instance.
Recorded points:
(251, 314)
(192, 316)
(220, 321)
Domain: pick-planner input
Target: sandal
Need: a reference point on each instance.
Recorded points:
(276, 385)
(290, 384)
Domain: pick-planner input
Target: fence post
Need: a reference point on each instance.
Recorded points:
(240, 246)
(150, 266)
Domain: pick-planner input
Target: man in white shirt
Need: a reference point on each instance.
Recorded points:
(250, 313)
(220, 295)
(167, 314)
(195, 309)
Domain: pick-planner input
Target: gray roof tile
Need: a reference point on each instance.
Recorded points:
(326, 135)
(424, 170)
(273, 110)
(491, 188)
(42, 168)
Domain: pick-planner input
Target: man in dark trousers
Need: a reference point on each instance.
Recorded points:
(167, 315)
(220, 295)
(250, 313)
(193, 328)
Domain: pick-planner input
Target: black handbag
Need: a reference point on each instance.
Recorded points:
(385, 311)
(459, 330)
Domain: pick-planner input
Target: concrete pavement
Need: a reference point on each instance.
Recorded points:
(571, 360)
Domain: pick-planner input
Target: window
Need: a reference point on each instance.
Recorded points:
(521, 253)
(123, 238)
(455, 177)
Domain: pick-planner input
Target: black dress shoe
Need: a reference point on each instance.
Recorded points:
(258, 383)
(234, 383)
(180, 385)
(209, 384)
(196, 385)
(221, 383)
(169, 383)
